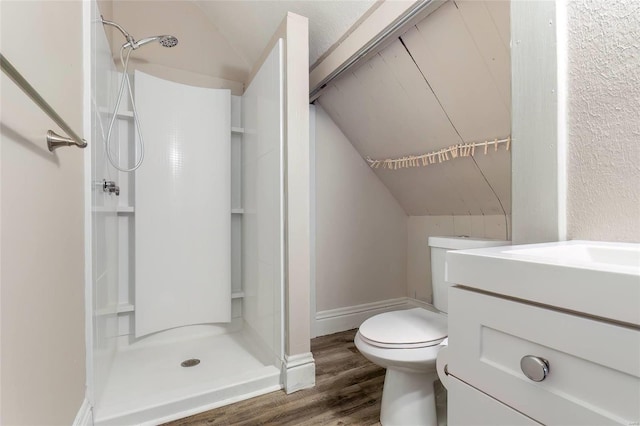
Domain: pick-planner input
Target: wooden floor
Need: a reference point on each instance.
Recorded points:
(347, 392)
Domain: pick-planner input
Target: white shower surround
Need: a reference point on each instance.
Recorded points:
(103, 296)
(183, 205)
(143, 380)
(262, 189)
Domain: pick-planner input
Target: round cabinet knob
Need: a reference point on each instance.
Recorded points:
(534, 367)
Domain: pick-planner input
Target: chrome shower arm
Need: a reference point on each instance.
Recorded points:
(126, 35)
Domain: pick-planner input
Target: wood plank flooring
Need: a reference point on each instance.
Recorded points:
(347, 392)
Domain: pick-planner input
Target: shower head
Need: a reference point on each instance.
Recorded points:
(164, 40)
(168, 41)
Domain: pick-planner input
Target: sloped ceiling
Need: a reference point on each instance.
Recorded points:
(201, 49)
(249, 25)
(445, 81)
(225, 38)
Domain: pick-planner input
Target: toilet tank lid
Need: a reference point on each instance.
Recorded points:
(462, 242)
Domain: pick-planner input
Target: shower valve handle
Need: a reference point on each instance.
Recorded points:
(110, 187)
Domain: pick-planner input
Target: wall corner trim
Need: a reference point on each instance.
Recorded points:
(562, 82)
(417, 303)
(538, 114)
(85, 414)
(299, 372)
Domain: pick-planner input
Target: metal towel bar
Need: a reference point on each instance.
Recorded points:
(54, 140)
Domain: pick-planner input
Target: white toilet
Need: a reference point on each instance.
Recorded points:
(407, 342)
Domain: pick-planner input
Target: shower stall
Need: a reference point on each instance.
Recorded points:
(187, 273)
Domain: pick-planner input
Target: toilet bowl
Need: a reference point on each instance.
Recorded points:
(407, 344)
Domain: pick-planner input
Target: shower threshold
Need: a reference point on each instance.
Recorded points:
(148, 385)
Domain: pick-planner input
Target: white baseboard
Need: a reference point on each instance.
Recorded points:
(350, 317)
(299, 372)
(85, 415)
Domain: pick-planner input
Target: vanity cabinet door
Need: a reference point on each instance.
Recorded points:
(594, 366)
(468, 406)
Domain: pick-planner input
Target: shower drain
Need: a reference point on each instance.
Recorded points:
(190, 362)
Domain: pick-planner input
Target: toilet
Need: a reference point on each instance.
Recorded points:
(407, 342)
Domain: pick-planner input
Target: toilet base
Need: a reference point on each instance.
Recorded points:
(408, 398)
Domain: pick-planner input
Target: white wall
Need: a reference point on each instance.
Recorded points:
(603, 121)
(418, 252)
(361, 240)
(538, 176)
(42, 356)
(297, 188)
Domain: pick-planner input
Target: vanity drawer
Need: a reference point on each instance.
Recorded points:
(468, 406)
(594, 366)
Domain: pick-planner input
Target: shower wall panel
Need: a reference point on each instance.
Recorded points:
(262, 188)
(183, 205)
(104, 221)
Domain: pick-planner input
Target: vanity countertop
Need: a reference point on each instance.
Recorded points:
(591, 277)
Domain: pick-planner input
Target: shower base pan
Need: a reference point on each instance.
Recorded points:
(148, 385)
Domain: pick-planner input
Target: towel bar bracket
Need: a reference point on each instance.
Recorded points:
(55, 141)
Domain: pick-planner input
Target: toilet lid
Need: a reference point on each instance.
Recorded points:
(411, 328)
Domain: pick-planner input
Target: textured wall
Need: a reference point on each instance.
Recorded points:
(604, 120)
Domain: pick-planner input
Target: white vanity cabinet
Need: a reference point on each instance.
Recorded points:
(473, 407)
(593, 366)
(585, 370)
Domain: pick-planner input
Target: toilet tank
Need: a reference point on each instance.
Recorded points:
(439, 248)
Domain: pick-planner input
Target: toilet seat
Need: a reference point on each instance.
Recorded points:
(407, 329)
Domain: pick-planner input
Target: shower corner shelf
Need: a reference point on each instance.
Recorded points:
(237, 130)
(118, 210)
(124, 308)
(237, 211)
(237, 295)
(124, 115)
(121, 308)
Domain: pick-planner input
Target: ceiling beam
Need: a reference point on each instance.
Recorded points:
(387, 22)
